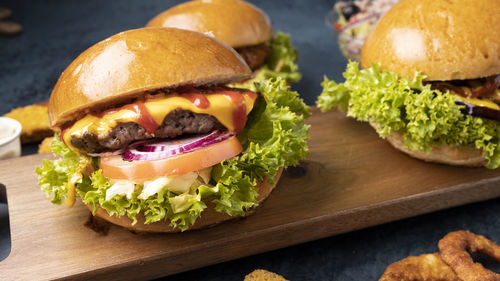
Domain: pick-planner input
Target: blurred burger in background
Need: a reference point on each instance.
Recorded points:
(430, 81)
(354, 20)
(242, 26)
(152, 139)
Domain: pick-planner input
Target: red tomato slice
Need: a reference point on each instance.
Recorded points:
(115, 167)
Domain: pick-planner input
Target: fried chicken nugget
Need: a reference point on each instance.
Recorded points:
(46, 145)
(263, 275)
(426, 267)
(34, 121)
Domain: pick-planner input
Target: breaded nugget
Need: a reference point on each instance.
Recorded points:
(45, 145)
(428, 267)
(263, 275)
(34, 120)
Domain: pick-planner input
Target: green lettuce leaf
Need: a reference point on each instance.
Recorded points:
(280, 63)
(54, 174)
(275, 137)
(423, 116)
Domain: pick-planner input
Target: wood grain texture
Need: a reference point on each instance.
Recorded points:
(352, 180)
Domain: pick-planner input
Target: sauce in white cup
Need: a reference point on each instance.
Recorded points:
(10, 144)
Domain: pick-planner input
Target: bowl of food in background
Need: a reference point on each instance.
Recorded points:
(353, 21)
(10, 144)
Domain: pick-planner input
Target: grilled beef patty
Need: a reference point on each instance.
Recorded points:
(255, 55)
(176, 123)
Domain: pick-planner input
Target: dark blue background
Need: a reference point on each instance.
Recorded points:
(56, 31)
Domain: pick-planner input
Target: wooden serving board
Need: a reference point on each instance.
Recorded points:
(351, 180)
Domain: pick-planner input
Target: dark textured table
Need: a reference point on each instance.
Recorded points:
(56, 31)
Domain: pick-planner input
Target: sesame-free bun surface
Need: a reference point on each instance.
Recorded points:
(442, 39)
(124, 66)
(236, 23)
(209, 217)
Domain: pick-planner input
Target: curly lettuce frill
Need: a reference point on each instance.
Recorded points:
(423, 116)
(275, 136)
(280, 63)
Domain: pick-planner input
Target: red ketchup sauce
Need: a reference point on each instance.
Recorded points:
(491, 84)
(144, 118)
(197, 99)
(234, 95)
(240, 112)
(61, 137)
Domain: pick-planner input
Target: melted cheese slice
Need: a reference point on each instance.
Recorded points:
(475, 101)
(220, 106)
(479, 102)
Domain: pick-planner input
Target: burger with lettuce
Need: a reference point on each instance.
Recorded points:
(242, 26)
(150, 138)
(429, 82)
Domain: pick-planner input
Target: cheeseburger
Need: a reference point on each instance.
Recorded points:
(151, 139)
(430, 81)
(242, 26)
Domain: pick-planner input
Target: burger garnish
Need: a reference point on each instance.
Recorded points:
(480, 97)
(163, 157)
(475, 88)
(242, 26)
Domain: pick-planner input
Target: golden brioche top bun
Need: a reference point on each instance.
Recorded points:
(236, 23)
(124, 66)
(442, 39)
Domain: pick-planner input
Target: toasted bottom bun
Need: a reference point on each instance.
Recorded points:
(459, 155)
(209, 217)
